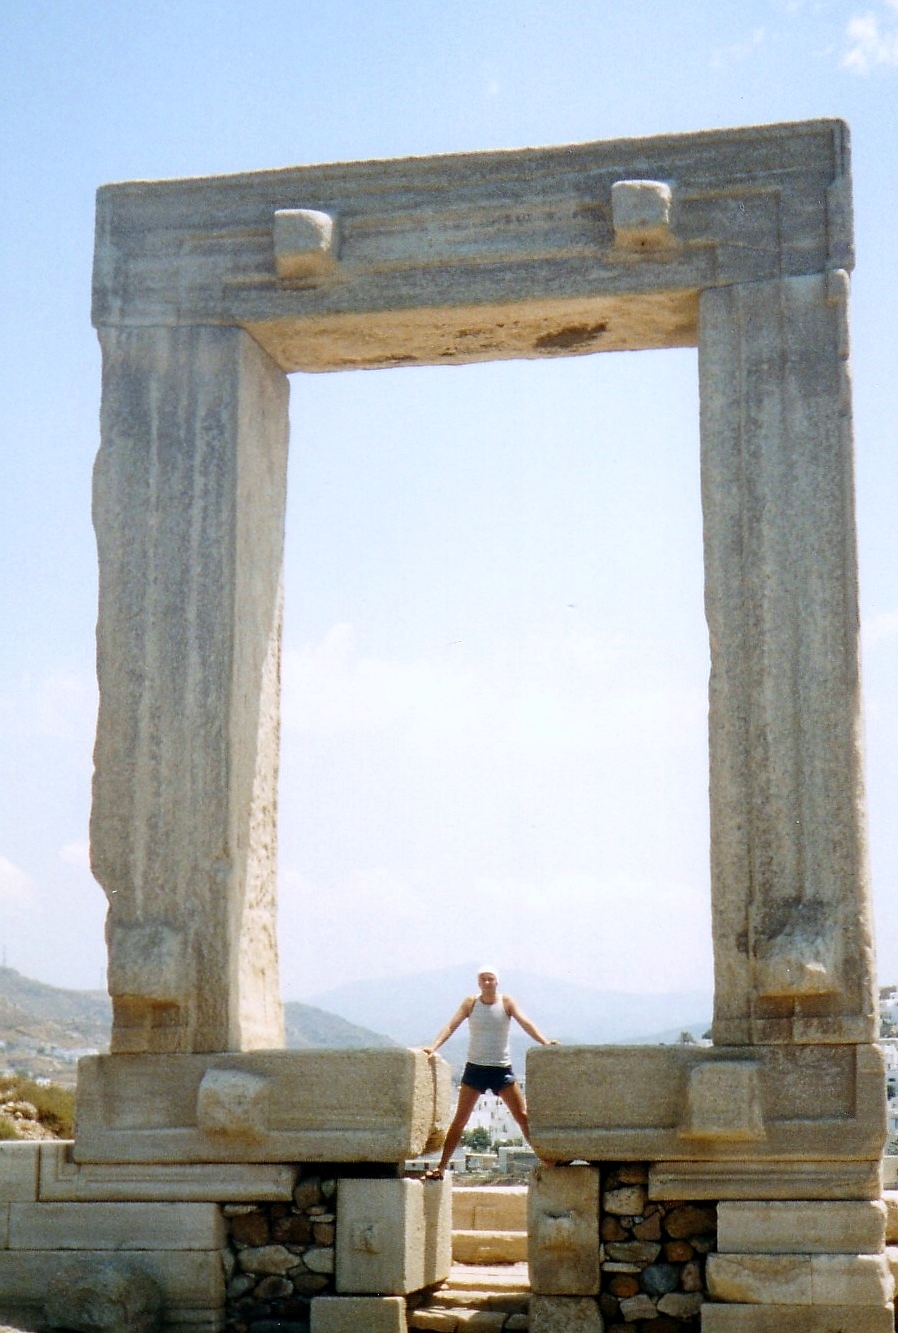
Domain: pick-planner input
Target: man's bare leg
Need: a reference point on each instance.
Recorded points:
(467, 1100)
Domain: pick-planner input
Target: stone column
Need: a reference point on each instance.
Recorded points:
(791, 912)
(189, 498)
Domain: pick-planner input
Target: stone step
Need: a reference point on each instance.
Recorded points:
(485, 1297)
(459, 1321)
(504, 1302)
(489, 1247)
(488, 1277)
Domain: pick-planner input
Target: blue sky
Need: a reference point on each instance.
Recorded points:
(495, 652)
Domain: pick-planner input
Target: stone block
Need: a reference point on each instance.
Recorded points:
(233, 1103)
(765, 1180)
(801, 1228)
(565, 1314)
(890, 1199)
(818, 1103)
(796, 1319)
(776, 352)
(796, 1279)
(113, 1296)
(18, 1171)
(892, 1256)
(353, 1314)
(437, 1231)
(640, 213)
(62, 1180)
(189, 685)
(380, 1236)
(373, 1105)
(723, 1101)
(192, 1283)
(116, 1226)
(489, 1247)
(490, 1208)
(862, 1279)
(563, 1230)
(306, 243)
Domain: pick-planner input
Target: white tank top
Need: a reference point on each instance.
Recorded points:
(488, 1026)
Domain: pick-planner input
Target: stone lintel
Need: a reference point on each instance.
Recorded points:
(637, 1103)
(319, 1106)
(765, 1180)
(502, 230)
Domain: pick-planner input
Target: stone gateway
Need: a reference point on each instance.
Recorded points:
(207, 294)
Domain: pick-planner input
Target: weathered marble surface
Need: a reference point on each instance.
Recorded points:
(189, 496)
(303, 1106)
(636, 1103)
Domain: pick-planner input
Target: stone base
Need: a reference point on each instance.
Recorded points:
(565, 1314)
(564, 1230)
(699, 1103)
(393, 1236)
(809, 1227)
(801, 1279)
(192, 1283)
(261, 1106)
(352, 1314)
(796, 1319)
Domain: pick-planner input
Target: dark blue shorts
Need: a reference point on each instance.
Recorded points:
(488, 1078)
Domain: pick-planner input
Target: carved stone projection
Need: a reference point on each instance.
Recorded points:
(208, 291)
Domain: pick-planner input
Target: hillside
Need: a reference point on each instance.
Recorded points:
(44, 1029)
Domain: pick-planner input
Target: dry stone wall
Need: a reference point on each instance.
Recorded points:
(281, 1256)
(653, 1255)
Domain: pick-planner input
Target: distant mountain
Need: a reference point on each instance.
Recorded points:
(306, 1026)
(412, 1009)
(43, 1028)
(51, 1015)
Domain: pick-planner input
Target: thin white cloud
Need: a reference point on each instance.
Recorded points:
(880, 628)
(572, 694)
(75, 854)
(872, 39)
(362, 922)
(739, 51)
(15, 886)
(61, 704)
